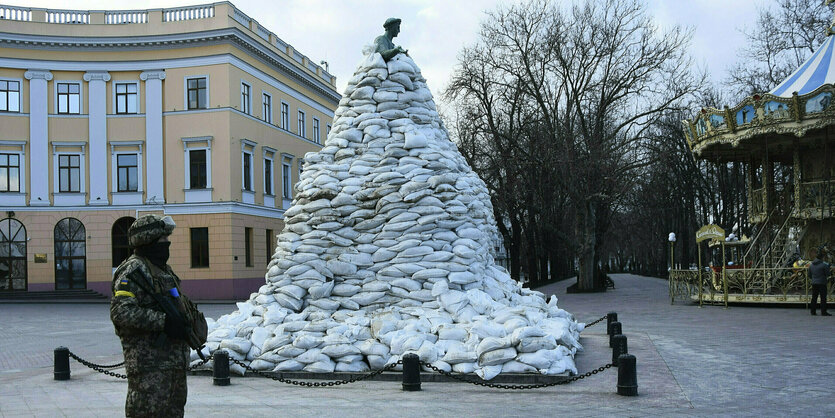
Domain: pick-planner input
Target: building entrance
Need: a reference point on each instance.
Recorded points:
(12, 255)
(70, 255)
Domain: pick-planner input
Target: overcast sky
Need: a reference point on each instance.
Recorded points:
(435, 30)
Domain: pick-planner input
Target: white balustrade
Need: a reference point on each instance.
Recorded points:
(118, 17)
(15, 13)
(241, 17)
(74, 17)
(203, 11)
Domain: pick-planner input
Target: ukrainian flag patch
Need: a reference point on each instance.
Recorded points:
(123, 281)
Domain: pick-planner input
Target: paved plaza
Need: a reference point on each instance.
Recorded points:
(742, 361)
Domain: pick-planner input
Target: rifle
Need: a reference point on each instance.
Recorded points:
(168, 306)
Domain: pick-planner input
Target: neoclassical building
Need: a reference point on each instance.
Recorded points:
(195, 112)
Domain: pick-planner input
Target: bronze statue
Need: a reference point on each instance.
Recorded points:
(384, 43)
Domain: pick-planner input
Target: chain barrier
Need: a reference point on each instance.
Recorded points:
(515, 387)
(99, 367)
(317, 384)
(598, 320)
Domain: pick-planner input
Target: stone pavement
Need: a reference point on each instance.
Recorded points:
(742, 361)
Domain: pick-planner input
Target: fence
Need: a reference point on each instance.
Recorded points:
(411, 368)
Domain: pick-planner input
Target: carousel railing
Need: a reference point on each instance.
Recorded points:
(816, 199)
(752, 285)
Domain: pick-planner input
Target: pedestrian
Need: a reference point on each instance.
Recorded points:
(818, 275)
(156, 354)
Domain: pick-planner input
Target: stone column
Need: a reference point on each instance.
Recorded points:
(38, 137)
(97, 97)
(155, 170)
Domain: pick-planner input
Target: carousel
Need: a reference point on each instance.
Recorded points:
(786, 140)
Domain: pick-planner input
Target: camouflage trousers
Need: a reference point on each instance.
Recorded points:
(156, 393)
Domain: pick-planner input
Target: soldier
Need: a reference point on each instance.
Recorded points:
(156, 354)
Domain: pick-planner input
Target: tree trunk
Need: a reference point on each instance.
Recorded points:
(585, 227)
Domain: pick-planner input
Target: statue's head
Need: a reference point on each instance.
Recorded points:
(392, 26)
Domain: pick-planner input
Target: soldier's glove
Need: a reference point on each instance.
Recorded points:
(175, 327)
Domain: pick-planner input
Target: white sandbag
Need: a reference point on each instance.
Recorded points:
(491, 344)
(377, 362)
(533, 344)
(274, 315)
(518, 367)
(307, 341)
(261, 365)
(371, 347)
(289, 366)
(489, 372)
(357, 366)
(458, 353)
(464, 368)
(526, 332)
(259, 336)
(452, 332)
(322, 366)
(237, 344)
(541, 359)
(289, 351)
(321, 291)
(276, 341)
(339, 350)
(495, 357)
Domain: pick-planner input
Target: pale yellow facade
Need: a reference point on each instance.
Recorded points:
(195, 112)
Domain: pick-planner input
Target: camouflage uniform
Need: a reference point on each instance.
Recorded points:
(156, 365)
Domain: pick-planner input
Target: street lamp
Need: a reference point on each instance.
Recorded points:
(672, 239)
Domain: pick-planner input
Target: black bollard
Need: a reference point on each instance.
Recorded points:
(411, 372)
(627, 376)
(62, 363)
(220, 371)
(616, 329)
(619, 347)
(610, 317)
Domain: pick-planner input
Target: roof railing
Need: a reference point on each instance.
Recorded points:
(202, 11)
(117, 17)
(73, 17)
(15, 13)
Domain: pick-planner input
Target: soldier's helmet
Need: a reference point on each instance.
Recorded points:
(149, 228)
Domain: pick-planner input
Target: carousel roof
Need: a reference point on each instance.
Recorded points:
(798, 105)
(818, 70)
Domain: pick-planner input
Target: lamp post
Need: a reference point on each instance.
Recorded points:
(672, 239)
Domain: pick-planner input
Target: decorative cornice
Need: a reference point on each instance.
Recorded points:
(233, 35)
(38, 75)
(97, 76)
(152, 75)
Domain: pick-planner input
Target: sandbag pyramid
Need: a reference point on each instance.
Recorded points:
(387, 250)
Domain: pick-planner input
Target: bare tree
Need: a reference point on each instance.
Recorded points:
(587, 83)
(781, 40)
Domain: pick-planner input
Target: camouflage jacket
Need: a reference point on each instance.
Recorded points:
(140, 322)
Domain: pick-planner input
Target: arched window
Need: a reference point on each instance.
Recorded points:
(119, 240)
(70, 255)
(12, 255)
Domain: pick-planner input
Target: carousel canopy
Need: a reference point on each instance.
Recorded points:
(818, 70)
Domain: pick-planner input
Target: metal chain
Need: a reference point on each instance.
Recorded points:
(99, 368)
(515, 387)
(595, 322)
(202, 362)
(316, 384)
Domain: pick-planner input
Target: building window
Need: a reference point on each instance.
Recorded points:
(199, 247)
(269, 244)
(126, 98)
(9, 96)
(70, 238)
(69, 173)
(268, 108)
(285, 116)
(197, 168)
(9, 172)
(285, 178)
(127, 172)
(316, 138)
(197, 93)
(119, 240)
(246, 98)
(328, 129)
(301, 124)
(268, 176)
(13, 255)
(247, 171)
(69, 98)
(248, 246)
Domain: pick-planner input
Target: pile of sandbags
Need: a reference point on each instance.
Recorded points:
(387, 249)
